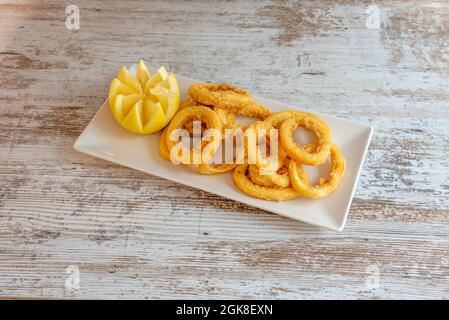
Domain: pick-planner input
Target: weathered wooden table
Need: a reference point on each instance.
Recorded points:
(131, 235)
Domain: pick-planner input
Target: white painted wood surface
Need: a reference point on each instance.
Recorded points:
(136, 236)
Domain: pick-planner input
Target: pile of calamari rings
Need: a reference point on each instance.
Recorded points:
(218, 105)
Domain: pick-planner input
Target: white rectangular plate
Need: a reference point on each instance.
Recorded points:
(105, 139)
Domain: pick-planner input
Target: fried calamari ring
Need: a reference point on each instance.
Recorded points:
(252, 143)
(227, 120)
(189, 125)
(300, 180)
(226, 165)
(257, 178)
(252, 140)
(163, 150)
(187, 102)
(252, 110)
(274, 174)
(255, 110)
(276, 163)
(300, 153)
(208, 169)
(280, 178)
(218, 97)
(227, 117)
(207, 115)
(276, 119)
(205, 168)
(221, 95)
(247, 186)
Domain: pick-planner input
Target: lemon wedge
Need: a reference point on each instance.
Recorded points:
(144, 103)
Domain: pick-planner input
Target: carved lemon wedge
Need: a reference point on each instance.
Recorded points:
(144, 103)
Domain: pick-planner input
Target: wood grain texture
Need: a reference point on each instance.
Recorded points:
(138, 236)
